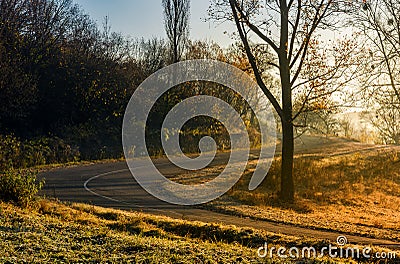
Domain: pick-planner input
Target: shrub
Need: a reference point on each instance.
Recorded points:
(10, 148)
(96, 140)
(23, 154)
(47, 150)
(19, 186)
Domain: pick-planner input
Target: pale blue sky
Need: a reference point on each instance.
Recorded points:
(144, 18)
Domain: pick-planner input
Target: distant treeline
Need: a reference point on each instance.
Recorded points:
(64, 79)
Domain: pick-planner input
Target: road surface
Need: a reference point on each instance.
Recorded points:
(112, 185)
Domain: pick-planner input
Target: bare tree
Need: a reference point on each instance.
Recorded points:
(288, 28)
(386, 120)
(176, 21)
(380, 23)
(346, 127)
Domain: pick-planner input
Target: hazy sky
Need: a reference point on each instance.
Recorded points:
(144, 18)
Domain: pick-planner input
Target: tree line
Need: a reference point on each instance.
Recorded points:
(65, 81)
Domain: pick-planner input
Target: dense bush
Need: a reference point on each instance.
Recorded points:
(16, 154)
(19, 186)
(101, 140)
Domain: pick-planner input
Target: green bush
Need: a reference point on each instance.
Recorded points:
(16, 154)
(47, 150)
(10, 148)
(96, 140)
(19, 186)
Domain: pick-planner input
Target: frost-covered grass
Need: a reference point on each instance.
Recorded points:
(356, 193)
(76, 233)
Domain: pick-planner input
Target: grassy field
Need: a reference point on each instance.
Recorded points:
(355, 193)
(53, 232)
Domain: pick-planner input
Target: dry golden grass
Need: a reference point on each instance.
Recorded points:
(355, 193)
(77, 233)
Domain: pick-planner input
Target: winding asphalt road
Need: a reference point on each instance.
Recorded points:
(112, 185)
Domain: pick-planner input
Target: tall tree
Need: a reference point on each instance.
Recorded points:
(379, 21)
(176, 21)
(287, 27)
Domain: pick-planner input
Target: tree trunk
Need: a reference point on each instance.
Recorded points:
(287, 185)
(176, 59)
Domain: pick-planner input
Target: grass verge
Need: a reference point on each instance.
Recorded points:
(77, 233)
(356, 193)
